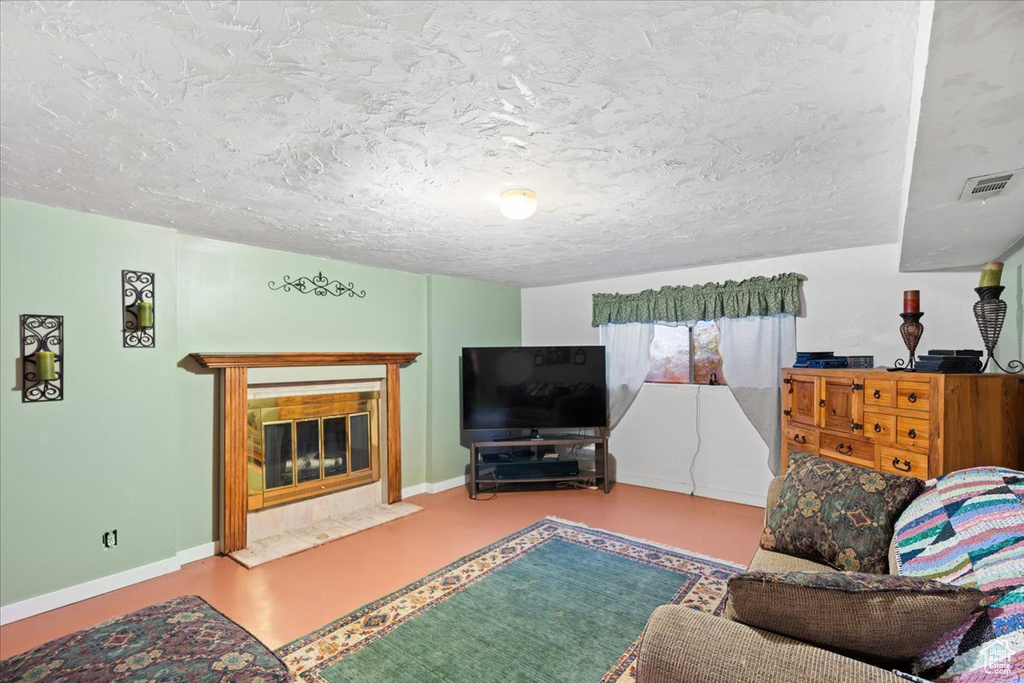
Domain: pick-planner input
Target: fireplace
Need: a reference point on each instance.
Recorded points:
(233, 370)
(308, 440)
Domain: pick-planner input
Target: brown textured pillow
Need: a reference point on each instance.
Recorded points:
(877, 616)
(839, 514)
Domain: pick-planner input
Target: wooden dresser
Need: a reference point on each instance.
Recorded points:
(916, 424)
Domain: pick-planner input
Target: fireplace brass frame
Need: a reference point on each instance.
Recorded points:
(301, 408)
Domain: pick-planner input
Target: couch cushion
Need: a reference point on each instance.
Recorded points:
(770, 561)
(967, 528)
(838, 514)
(876, 616)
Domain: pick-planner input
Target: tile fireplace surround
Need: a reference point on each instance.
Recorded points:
(232, 369)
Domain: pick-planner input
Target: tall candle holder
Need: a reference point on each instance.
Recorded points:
(990, 314)
(911, 331)
(42, 344)
(138, 294)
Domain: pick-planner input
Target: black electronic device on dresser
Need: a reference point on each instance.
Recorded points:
(526, 390)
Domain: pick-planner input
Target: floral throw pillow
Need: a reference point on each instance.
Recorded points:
(841, 515)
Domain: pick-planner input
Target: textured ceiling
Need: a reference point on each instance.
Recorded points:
(656, 135)
(971, 124)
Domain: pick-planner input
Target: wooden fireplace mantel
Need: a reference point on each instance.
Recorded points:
(291, 360)
(233, 368)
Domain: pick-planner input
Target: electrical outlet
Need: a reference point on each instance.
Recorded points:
(110, 539)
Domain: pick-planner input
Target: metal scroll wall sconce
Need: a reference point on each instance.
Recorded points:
(42, 358)
(138, 319)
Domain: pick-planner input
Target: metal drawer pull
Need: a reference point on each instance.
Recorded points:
(844, 449)
(821, 403)
(878, 427)
(878, 393)
(912, 433)
(912, 398)
(799, 439)
(904, 468)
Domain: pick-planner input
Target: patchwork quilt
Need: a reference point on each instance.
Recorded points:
(967, 528)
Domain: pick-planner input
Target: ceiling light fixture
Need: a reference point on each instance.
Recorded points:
(518, 204)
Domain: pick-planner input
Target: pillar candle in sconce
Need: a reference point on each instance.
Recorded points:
(45, 368)
(912, 301)
(991, 274)
(145, 312)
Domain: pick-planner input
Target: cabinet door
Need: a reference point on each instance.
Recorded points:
(839, 404)
(802, 400)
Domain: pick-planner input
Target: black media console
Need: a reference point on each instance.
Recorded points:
(522, 461)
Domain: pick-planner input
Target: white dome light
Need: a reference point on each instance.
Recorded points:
(518, 204)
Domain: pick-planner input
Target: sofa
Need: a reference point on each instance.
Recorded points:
(965, 529)
(683, 645)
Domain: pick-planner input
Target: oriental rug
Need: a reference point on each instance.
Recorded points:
(555, 602)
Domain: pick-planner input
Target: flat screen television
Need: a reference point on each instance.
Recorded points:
(534, 387)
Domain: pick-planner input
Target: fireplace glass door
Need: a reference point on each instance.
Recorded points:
(335, 446)
(305, 446)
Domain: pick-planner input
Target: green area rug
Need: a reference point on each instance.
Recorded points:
(556, 602)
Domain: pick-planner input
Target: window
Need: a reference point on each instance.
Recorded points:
(685, 355)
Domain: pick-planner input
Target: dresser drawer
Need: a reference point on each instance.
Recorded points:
(913, 396)
(845, 448)
(880, 392)
(904, 462)
(912, 432)
(880, 426)
(799, 439)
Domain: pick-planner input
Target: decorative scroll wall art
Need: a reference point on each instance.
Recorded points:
(319, 285)
(138, 316)
(42, 358)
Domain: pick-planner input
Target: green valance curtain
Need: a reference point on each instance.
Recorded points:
(756, 296)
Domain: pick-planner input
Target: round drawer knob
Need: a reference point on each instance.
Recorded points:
(912, 398)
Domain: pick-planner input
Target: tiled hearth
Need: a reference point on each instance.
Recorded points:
(284, 543)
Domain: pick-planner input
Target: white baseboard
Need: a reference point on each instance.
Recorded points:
(437, 487)
(744, 497)
(416, 490)
(90, 589)
(452, 483)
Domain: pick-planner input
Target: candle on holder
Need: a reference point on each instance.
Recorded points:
(912, 301)
(45, 369)
(991, 274)
(145, 313)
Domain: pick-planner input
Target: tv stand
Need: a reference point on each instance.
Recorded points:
(535, 464)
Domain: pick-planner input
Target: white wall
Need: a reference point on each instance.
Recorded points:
(852, 299)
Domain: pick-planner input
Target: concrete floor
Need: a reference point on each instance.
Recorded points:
(290, 597)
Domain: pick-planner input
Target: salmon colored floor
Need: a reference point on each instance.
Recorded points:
(287, 598)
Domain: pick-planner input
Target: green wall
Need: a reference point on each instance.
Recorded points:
(134, 446)
(1011, 341)
(462, 313)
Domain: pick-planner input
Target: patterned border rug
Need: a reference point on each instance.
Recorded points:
(667, 575)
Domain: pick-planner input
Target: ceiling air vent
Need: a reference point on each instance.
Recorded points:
(985, 186)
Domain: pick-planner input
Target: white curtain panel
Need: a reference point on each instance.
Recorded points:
(627, 352)
(754, 351)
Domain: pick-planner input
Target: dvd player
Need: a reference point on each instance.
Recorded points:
(536, 469)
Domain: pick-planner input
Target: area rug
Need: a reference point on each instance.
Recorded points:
(556, 602)
(184, 639)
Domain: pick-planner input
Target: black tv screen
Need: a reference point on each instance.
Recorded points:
(534, 387)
